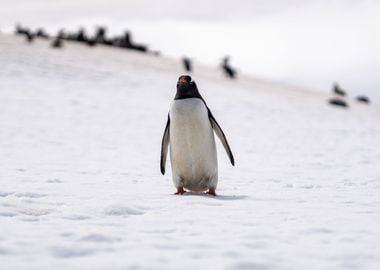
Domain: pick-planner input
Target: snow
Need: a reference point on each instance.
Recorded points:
(80, 185)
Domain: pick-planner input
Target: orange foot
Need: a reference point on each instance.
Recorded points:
(211, 191)
(180, 191)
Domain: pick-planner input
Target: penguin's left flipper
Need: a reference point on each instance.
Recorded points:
(219, 132)
(165, 146)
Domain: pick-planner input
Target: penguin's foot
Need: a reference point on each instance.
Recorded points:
(211, 191)
(180, 191)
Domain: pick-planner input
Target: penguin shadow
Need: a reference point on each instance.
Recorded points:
(228, 197)
(217, 197)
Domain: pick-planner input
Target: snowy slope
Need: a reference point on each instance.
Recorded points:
(311, 43)
(80, 186)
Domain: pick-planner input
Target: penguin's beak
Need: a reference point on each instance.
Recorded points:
(183, 80)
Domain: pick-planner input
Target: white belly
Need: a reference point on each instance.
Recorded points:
(192, 145)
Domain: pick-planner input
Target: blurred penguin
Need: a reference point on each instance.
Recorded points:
(126, 42)
(187, 64)
(81, 36)
(337, 90)
(363, 99)
(228, 70)
(41, 33)
(29, 36)
(20, 30)
(58, 41)
(337, 101)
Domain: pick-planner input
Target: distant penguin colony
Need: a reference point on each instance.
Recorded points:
(189, 133)
(123, 41)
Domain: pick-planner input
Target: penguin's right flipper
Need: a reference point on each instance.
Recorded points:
(165, 146)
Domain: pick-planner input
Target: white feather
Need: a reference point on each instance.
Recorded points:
(192, 145)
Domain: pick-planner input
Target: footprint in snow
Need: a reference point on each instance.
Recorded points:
(35, 212)
(98, 238)
(54, 181)
(76, 217)
(30, 195)
(5, 194)
(307, 186)
(250, 266)
(119, 210)
(70, 252)
(7, 214)
(4, 251)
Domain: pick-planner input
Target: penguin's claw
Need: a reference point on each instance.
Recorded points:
(211, 192)
(180, 191)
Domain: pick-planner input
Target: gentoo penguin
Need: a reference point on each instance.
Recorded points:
(189, 132)
(363, 99)
(337, 90)
(228, 70)
(187, 64)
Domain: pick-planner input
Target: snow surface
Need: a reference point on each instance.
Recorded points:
(80, 186)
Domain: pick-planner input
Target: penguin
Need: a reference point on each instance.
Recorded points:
(190, 133)
(57, 43)
(337, 90)
(363, 99)
(229, 71)
(187, 64)
(338, 102)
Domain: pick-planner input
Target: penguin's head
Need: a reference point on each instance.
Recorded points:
(184, 80)
(186, 88)
(186, 85)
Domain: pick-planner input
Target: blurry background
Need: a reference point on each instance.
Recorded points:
(308, 43)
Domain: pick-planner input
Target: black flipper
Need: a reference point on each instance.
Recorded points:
(165, 146)
(219, 132)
